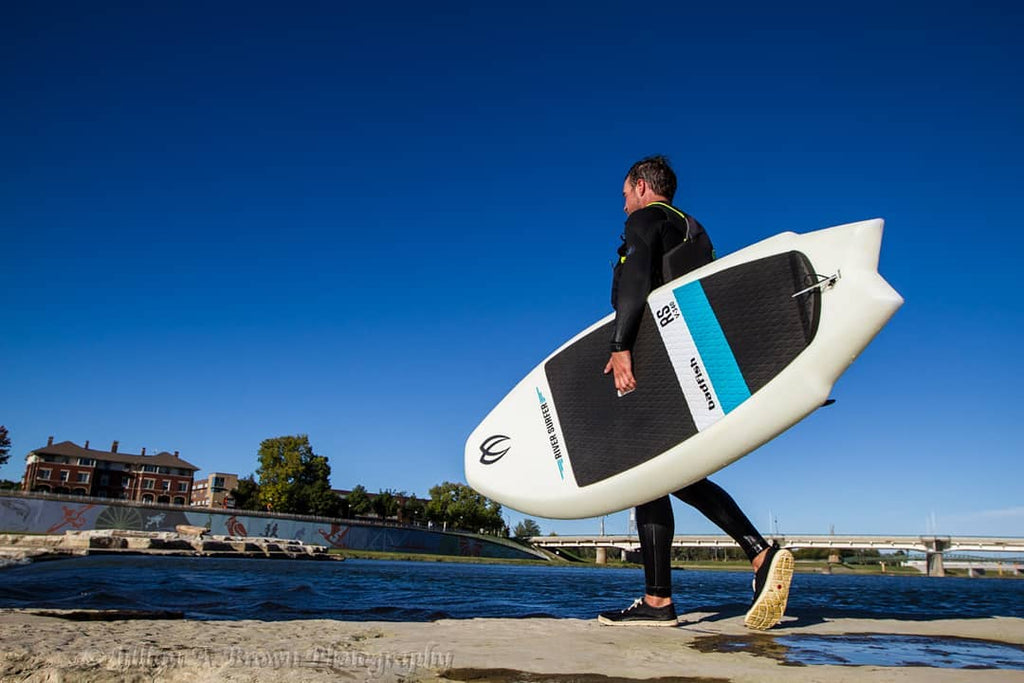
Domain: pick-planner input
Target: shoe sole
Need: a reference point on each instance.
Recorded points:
(771, 604)
(636, 622)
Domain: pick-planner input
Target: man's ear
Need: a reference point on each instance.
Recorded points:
(641, 187)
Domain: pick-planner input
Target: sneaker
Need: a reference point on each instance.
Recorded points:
(640, 614)
(771, 589)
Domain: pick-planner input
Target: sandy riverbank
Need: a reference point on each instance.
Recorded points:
(705, 646)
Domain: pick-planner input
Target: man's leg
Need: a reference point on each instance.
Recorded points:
(656, 526)
(773, 567)
(714, 503)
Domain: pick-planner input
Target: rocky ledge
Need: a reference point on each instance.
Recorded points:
(185, 541)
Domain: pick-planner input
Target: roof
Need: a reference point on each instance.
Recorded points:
(344, 494)
(73, 450)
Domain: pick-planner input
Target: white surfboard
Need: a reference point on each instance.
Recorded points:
(728, 357)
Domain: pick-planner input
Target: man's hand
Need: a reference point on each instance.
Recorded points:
(621, 365)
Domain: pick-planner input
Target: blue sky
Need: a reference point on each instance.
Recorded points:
(222, 223)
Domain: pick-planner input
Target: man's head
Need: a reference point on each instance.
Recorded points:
(649, 180)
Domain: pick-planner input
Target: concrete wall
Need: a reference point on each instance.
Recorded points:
(36, 514)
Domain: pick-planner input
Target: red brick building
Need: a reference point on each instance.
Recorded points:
(215, 490)
(66, 467)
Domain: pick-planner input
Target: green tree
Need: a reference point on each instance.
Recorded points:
(413, 510)
(385, 504)
(247, 494)
(294, 479)
(526, 530)
(5, 445)
(460, 507)
(359, 501)
(314, 496)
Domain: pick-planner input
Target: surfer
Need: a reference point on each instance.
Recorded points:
(661, 243)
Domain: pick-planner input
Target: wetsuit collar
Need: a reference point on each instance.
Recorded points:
(669, 207)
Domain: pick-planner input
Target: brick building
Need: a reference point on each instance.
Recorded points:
(215, 490)
(66, 467)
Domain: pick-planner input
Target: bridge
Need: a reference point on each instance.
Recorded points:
(932, 546)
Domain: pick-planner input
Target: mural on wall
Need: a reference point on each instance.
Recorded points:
(15, 508)
(51, 516)
(73, 518)
(336, 536)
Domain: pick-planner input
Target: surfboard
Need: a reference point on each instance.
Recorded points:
(727, 357)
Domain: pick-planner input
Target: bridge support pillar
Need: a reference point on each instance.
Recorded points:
(934, 555)
(625, 555)
(935, 567)
(602, 556)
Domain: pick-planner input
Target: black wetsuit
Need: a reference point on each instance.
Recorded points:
(661, 243)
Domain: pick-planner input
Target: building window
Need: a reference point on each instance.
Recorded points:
(147, 498)
(218, 482)
(79, 492)
(83, 478)
(149, 468)
(183, 486)
(43, 474)
(125, 483)
(148, 484)
(178, 500)
(165, 485)
(64, 474)
(165, 470)
(86, 462)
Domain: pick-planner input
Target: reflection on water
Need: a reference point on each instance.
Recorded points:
(871, 650)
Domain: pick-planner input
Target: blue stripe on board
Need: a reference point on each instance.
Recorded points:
(726, 378)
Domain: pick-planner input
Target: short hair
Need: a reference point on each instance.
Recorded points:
(657, 173)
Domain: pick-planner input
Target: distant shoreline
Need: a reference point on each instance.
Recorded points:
(802, 566)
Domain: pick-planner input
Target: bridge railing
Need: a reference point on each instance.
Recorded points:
(924, 544)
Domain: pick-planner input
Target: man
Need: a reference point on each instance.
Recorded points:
(660, 244)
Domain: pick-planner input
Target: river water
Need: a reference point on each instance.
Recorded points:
(207, 588)
(357, 590)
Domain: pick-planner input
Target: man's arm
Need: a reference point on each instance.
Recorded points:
(634, 284)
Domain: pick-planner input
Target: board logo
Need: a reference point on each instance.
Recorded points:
(702, 383)
(491, 450)
(549, 425)
(667, 313)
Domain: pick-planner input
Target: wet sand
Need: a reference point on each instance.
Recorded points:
(704, 647)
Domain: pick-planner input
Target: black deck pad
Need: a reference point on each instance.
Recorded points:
(614, 434)
(766, 328)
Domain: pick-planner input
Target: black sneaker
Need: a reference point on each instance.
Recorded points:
(640, 614)
(771, 589)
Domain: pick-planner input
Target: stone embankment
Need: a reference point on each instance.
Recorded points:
(186, 541)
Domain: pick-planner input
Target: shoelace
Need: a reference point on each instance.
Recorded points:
(636, 603)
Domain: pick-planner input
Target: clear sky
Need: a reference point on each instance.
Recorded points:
(223, 222)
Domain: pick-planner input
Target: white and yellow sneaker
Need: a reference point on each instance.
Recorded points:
(771, 589)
